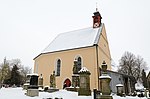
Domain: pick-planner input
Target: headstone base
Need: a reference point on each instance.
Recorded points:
(84, 92)
(25, 86)
(105, 97)
(41, 88)
(76, 89)
(50, 90)
(32, 92)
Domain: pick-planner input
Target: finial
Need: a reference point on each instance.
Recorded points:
(104, 66)
(96, 7)
(54, 72)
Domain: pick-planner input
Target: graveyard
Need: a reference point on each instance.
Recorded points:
(34, 89)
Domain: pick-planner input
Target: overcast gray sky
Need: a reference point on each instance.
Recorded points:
(28, 26)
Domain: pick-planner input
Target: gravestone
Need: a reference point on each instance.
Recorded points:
(52, 83)
(33, 87)
(53, 80)
(120, 90)
(75, 76)
(96, 94)
(84, 88)
(27, 83)
(105, 81)
(40, 83)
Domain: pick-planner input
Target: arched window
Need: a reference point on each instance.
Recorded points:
(79, 63)
(58, 64)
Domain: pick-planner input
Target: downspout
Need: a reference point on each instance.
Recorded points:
(97, 63)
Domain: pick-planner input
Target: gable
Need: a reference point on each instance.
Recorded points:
(103, 48)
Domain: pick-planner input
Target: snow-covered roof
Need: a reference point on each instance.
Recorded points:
(74, 39)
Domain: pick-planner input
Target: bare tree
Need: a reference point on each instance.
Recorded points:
(24, 71)
(15, 62)
(131, 65)
(144, 80)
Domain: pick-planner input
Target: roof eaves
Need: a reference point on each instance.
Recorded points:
(61, 51)
(37, 56)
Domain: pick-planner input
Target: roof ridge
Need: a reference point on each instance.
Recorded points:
(73, 30)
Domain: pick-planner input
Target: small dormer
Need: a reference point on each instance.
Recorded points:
(96, 19)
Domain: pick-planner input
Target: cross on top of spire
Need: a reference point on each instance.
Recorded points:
(96, 7)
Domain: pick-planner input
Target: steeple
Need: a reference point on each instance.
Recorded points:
(96, 19)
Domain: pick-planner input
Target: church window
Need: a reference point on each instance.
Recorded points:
(58, 64)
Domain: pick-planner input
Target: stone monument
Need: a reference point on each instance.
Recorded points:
(40, 83)
(84, 88)
(33, 87)
(53, 80)
(75, 76)
(27, 83)
(52, 83)
(120, 90)
(105, 81)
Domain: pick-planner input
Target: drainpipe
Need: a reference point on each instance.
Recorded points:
(96, 45)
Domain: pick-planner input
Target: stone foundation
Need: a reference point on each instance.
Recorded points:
(52, 90)
(72, 89)
(32, 92)
(105, 97)
(84, 92)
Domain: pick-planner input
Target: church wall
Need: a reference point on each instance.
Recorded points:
(46, 64)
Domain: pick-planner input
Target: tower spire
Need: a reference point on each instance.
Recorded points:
(96, 18)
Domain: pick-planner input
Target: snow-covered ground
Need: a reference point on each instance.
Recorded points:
(18, 93)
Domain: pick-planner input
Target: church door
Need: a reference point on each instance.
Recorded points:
(67, 83)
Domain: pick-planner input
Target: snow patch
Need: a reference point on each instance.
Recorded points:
(139, 86)
(105, 76)
(84, 69)
(119, 85)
